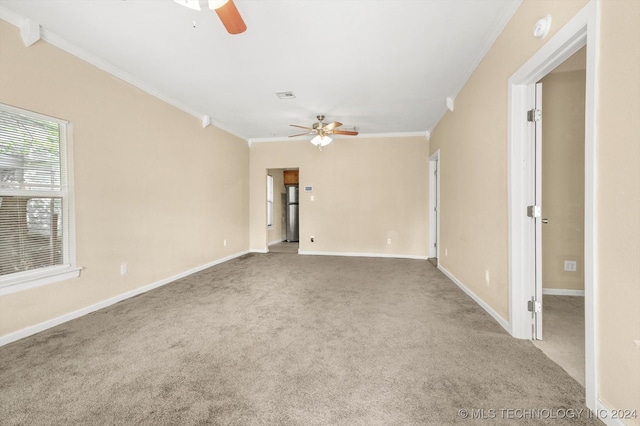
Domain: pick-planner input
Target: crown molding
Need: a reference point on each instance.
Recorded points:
(11, 17)
(59, 42)
(425, 134)
(55, 40)
(499, 26)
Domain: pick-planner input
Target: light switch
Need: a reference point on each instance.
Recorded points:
(312, 198)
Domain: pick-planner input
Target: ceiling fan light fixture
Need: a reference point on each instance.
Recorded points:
(217, 4)
(319, 140)
(323, 131)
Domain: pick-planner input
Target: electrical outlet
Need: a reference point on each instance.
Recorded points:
(388, 240)
(487, 276)
(313, 238)
(224, 243)
(124, 268)
(570, 265)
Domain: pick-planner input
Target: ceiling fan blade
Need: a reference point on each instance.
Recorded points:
(301, 134)
(231, 18)
(331, 126)
(301, 127)
(344, 132)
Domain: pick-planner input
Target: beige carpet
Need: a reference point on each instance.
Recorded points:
(282, 339)
(563, 333)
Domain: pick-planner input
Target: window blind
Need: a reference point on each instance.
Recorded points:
(33, 191)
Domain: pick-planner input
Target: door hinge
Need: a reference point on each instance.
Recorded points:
(534, 211)
(534, 306)
(534, 115)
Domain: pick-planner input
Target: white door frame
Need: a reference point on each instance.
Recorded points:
(434, 205)
(582, 29)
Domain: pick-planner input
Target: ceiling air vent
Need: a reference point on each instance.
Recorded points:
(285, 95)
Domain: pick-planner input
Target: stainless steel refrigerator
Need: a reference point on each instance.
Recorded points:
(292, 213)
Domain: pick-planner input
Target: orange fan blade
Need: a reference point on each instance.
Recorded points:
(231, 18)
(344, 132)
(331, 126)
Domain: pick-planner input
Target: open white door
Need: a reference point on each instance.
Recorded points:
(434, 204)
(533, 198)
(536, 306)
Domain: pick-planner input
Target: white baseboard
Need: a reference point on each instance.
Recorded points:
(504, 323)
(603, 413)
(342, 253)
(276, 242)
(562, 292)
(264, 250)
(31, 330)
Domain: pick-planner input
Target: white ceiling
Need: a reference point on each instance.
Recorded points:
(381, 66)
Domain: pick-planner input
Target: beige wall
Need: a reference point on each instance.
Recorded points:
(618, 204)
(365, 191)
(473, 198)
(473, 159)
(563, 102)
(153, 188)
(278, 232)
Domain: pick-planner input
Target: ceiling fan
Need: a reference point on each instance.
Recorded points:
(323, 131)
(226, 11)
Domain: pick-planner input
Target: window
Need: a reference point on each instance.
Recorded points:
(36, 244)
(269, 200)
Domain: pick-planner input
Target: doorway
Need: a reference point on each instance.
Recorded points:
(524, 309)
(562, 208)
(434, 206)
(279, 182)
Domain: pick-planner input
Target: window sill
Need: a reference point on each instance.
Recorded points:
(15, 283)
